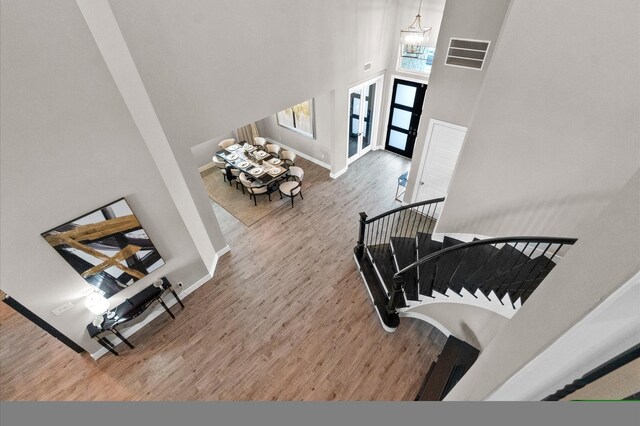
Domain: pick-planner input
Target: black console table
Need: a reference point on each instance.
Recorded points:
(128, 310)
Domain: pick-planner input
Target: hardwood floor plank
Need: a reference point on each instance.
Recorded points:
(290, 323)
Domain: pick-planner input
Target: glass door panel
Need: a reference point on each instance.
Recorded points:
(367, 110)
(404, 117)
(362, 108)
(354, 121)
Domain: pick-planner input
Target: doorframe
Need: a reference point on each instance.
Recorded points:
(425, 151)
(385, 126)
(377, 111)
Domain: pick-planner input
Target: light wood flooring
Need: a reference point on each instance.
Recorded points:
(286, 317)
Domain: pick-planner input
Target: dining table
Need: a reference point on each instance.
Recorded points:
(259, 165)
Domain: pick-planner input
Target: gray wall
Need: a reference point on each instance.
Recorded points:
(318, 148)
(69, 146)
(452, 93)
(557, 126)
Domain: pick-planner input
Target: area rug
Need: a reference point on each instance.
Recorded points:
(242, 208)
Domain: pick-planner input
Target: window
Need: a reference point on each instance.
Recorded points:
(416, 62)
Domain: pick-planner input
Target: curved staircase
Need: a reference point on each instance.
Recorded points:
(404, 265)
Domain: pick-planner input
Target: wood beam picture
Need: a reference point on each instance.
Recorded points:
(108, 247)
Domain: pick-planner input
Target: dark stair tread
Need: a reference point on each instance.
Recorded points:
(380, 299)
(404, 252)
(426, 272)
(472, 260)
(504, 259)
(509, 282)
(426, 245)
(447, 264)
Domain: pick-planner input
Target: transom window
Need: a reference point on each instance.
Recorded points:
(416, 61)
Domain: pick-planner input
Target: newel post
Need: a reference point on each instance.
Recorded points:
(360, 245)
(396, 292)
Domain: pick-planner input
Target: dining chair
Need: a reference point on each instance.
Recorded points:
(254, 189)
(288, 157)
(291, 188)
(221, 165)
(232, 175)
(259, 141)
(273, 149)
(226, 143)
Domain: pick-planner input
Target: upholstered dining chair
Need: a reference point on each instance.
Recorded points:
(288, 157)
(221, 165)
(254, 189)
(273, 149)
(291, 188)
(226, 143)
(259, 141)
(232, 175)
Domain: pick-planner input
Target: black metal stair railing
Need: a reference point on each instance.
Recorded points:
(404, 221)
(506, 265)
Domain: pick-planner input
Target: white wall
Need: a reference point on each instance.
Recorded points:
(69, 145)
(605, 258)
(452, 93)
(204, 152)
(557, 127)
(318, 148)
(204, 76)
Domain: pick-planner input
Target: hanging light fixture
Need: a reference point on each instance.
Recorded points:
(414, 38)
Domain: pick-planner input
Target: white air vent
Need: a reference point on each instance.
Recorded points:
(367, 66)
(467, 53)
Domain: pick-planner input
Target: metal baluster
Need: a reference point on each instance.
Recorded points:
(374, 233)
(386, 228)
(421, 218)
(428, 218)
(432, 224)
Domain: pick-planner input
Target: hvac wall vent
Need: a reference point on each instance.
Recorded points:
(367, 66)
(467, 53)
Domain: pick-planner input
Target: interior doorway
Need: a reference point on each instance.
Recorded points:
(404, 116)
(439, 158)
(364, 108)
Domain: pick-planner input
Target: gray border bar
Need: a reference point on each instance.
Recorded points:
(319, 413)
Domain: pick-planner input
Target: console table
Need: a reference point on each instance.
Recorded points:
(128, 310)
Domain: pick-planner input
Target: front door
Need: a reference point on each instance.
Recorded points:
(404, 116)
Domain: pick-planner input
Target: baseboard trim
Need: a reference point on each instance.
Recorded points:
(303, 155)
(206, 167)
(338, 174)
(157, 311)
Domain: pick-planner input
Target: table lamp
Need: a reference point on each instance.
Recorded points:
(98, 305)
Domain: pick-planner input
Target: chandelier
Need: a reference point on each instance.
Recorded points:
(414, 38)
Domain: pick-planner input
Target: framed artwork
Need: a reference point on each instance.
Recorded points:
(108, 247)
(299, 118)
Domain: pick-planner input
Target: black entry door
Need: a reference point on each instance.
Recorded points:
(404, 117)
